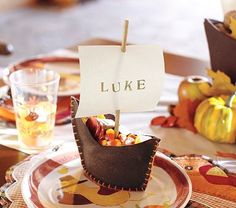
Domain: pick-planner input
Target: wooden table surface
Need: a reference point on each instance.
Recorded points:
(174, 64)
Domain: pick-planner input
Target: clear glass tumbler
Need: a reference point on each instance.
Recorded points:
(34, 94)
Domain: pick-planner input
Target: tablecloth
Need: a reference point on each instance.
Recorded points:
(177, 141)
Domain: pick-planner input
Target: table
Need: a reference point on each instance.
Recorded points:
(174, 64)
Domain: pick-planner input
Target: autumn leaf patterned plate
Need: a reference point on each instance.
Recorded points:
(67, 67)
(57, 180)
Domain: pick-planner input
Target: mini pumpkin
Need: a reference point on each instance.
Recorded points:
(215, 118)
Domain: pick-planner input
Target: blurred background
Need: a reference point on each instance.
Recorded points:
(34, 27)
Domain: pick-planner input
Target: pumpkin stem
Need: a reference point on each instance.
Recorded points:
(230, 99)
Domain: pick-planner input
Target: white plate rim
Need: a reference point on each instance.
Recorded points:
(41, 158)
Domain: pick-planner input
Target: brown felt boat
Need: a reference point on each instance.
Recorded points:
(222, 49)
(124, 167)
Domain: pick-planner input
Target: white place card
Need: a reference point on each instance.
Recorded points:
(112, 80)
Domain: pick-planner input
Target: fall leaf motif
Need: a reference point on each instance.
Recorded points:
(32, 116)
(170, 121)
(218, 77)
(221, 84)
(232, 27)
(185, 112)
(159, 120)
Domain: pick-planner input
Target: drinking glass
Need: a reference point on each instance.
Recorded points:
(34, 94)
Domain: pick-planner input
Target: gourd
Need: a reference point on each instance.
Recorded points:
(215, 118)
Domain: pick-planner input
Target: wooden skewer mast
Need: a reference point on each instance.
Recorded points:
(125, 34)
(123, 50)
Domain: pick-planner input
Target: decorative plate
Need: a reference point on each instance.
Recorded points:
(57, 180)
(67, 67)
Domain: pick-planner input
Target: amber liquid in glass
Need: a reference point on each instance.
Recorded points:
(35, 124)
